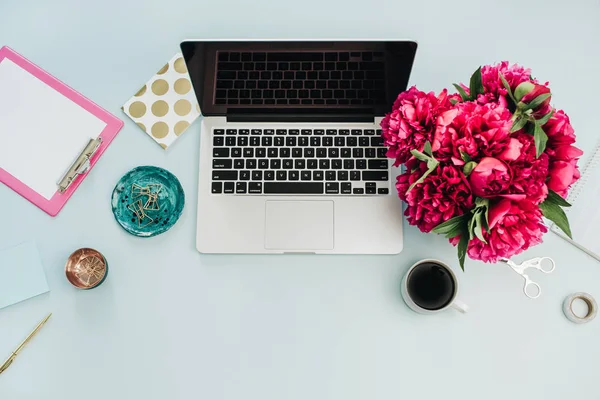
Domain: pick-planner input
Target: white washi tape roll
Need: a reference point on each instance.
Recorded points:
(589, 300)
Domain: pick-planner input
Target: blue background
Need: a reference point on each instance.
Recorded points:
(170, 323)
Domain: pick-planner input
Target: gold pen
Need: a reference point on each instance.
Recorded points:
(12, 357)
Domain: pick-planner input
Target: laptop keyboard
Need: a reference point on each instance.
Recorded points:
(299, 162)
(300, 78)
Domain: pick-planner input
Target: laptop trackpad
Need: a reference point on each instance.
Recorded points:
(299, 225)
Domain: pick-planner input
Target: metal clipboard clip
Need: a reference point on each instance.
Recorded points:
(80, 166)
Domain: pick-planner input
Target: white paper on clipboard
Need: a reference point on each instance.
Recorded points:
(41, 131)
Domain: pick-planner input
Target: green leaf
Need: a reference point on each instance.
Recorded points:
(462, 250)
(478, 226)
(469, 167)
(507, 87)
(475, 85)
(427, 149)
(447, 226)
(420, 156)
(479, 222)
(540, 138)
(545, 118)
(486, 222)
(556, 214)
(418, 181)
(557, 199)
(471, 226)
(432, 165)
(519, 123)
(458, 230)
(453, 101)
(530, 128)
(461, 91)
(537, 101)
(480, 202)
(465, 157)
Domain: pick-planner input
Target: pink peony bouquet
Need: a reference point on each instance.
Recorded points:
(483, 166)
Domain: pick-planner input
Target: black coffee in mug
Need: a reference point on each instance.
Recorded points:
(431, 286)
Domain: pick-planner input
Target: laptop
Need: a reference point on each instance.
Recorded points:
(291, 154)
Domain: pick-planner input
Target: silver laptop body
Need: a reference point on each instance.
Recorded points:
(291, 158)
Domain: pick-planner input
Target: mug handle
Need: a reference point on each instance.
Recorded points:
(459, 306)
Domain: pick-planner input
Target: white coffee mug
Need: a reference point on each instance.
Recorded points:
(453, 302)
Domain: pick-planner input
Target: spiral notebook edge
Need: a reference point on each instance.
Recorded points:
(591, 165)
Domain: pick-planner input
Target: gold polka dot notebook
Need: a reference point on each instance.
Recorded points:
(166, 105)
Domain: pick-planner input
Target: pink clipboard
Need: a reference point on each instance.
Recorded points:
(53, 205)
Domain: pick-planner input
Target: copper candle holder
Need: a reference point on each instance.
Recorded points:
(86, 268)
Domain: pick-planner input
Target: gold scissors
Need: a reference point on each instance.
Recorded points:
(536, 263)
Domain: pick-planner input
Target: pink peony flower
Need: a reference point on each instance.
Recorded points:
(473, 129)
(565, 153)
(494, 90)
(538, 90)
(512, 150)
(559, 129)
(529, 172)
(514, 227)
(503, 167)
(444, 194)
(412, 122)
(563, 156)
(490, 178)
(516, 178)
(562, 175)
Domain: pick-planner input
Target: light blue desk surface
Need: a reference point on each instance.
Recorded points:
(170, 323)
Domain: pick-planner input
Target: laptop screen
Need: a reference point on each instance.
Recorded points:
(314, 77)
